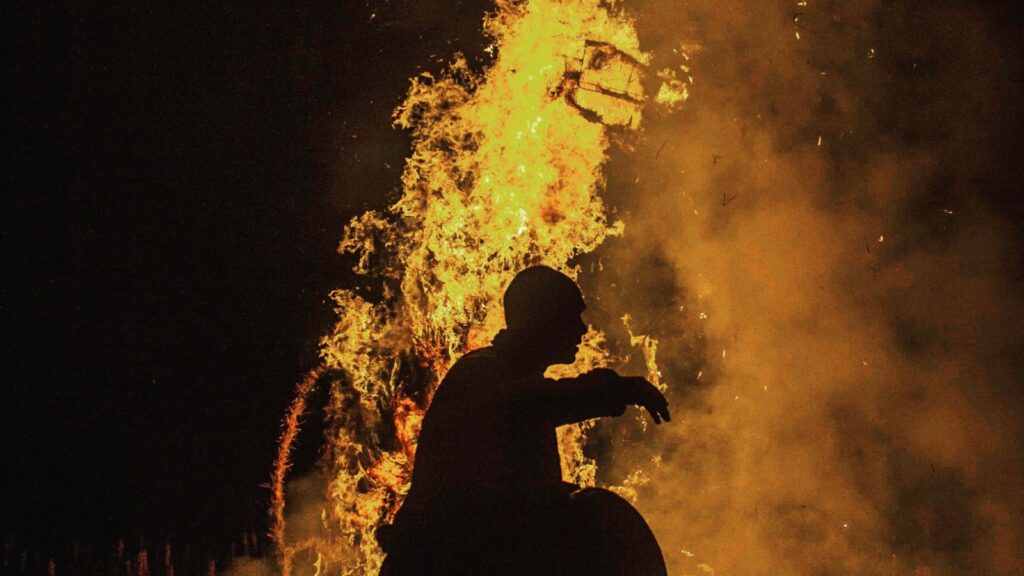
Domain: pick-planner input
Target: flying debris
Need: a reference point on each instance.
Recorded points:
(594, 85)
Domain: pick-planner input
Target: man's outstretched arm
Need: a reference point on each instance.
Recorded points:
(597, 393)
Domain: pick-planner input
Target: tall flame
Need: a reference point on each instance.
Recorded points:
(505, 172)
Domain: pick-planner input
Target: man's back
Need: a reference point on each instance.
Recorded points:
(485, 438)
(487, 473)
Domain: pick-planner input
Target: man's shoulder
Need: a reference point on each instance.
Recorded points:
(485, 354)
(473, 361)
(463, 379)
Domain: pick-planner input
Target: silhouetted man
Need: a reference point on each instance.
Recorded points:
(487, 494)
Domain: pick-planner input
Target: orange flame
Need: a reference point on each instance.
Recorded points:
(282, 464)
(505, 172)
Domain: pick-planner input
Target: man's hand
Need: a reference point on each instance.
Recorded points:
(647, 395)
(636, 390)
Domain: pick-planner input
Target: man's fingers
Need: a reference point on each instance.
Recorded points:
(654, 416)
(650, 398)
(657, 414)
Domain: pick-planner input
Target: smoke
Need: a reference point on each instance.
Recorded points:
(825, 244)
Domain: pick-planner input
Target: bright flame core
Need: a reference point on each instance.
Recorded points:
(505, 172)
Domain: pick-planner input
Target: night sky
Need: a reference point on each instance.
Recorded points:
(177, 181)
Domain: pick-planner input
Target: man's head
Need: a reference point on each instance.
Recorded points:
(542, 312)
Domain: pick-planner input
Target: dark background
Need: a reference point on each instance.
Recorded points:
(176, 181)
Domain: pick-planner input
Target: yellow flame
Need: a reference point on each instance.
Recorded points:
(505, 172)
